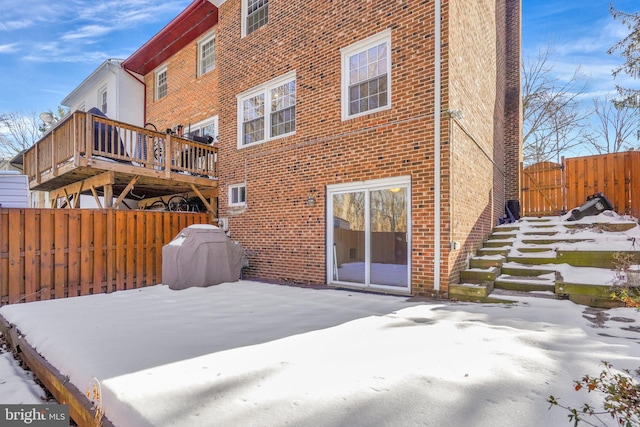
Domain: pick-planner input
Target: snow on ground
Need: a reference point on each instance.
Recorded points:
(255, 354)
(16, 384)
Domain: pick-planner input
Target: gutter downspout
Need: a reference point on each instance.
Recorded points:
(437, 255)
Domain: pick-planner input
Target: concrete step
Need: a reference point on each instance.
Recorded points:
(553, 241)
(512, 269)
(497, 243)
(536, 294)
(487, 261)
(540, 233)
(525, 283)
(470, 290)
(534, 250)
(479, 275)
(504, 251)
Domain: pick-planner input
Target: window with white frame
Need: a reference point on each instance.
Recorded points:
(238, 195)
(366, 76)
(255, 13)
(206, 54)
(102, 100)
(161, 83)
(268, 111)
(208, 127)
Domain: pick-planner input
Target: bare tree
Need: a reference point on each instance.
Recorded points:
(617, 126)
(553, 119)
(18, 132)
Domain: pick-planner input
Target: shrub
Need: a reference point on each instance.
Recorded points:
(621, 400)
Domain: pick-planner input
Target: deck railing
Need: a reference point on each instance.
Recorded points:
(81, 137)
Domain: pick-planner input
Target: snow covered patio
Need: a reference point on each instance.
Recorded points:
(256, 354)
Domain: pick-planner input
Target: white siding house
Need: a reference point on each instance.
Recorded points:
(113, 89)
(14, 190)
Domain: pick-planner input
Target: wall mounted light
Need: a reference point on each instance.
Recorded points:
(311, 200)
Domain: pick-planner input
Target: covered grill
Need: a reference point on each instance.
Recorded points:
(200, 255)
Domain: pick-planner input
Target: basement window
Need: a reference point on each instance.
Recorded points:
(238, 195)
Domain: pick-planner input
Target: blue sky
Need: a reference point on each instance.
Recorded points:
(48, 48)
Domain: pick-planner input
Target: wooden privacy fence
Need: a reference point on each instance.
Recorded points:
(57, 253)
(551, 188)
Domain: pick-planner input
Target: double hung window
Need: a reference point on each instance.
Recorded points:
(267, 111)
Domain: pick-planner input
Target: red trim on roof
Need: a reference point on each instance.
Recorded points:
(192, 22)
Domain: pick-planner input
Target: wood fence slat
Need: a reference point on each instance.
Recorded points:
(139, 257)
(4, 250)
(110, 257)
(73, 255)
(149, 251)
(16, 265)
(86, 253)
(98, 251)
(120, 250)
(46, 253)
(31, 247)
(132, 224)
(60, 258)
(157, 244)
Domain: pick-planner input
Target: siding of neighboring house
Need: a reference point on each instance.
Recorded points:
(124, 94)
(285, 235)
(14, 192)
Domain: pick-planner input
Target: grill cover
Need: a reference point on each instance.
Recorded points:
(200, 255)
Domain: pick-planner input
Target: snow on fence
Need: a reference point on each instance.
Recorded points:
(551, 188)
(58, 253)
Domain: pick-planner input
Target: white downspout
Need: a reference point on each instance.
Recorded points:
(436, 158)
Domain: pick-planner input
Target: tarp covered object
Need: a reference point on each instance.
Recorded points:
(200, 255)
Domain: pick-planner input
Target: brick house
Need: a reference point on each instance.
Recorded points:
(351, 151)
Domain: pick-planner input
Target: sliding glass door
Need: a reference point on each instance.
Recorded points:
(369, 235)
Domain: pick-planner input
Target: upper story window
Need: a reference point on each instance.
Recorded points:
(267, 111)
(161, 83)
(102, 100)
(255, 13)
(366, 76)
(207, 55)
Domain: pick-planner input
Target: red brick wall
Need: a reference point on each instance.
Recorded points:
(285, 236)
(190, 98)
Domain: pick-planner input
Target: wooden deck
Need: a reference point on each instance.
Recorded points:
(89, 154)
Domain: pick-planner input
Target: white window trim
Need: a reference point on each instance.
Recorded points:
(345, 52)
(101, 93)
(237, 186)
(244, 17)
(265, 89)
(206, 39)
(156, 86)
(369, 185)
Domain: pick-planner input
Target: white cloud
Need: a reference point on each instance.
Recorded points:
(87, 31)
(8, 48)
(15, 25)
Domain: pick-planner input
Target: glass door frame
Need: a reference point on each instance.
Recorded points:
(367, 187)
